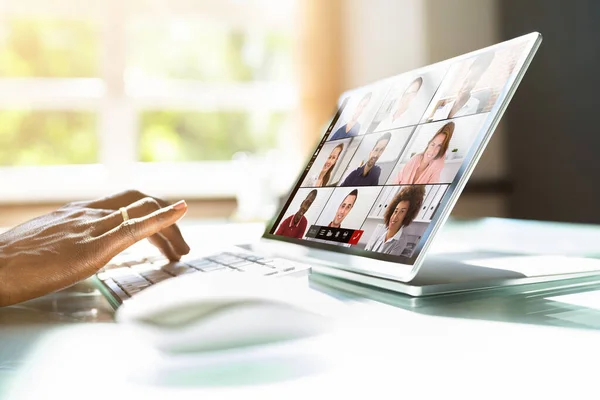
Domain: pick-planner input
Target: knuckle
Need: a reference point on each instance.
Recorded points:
(130, 231)
(148, 205)
(153, 202)
(161, 202)
(105, 213)
(134, 194)
(79, 214)
(71, 204)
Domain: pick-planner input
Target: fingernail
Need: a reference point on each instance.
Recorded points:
(179, 205)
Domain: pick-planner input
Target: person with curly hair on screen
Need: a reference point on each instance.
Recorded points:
(426, 167)
(401, 212)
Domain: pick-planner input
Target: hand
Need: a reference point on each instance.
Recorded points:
(59, 249)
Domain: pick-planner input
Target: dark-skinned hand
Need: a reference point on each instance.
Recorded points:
(59, 249)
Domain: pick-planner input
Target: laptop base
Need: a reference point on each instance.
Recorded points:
(473, 272)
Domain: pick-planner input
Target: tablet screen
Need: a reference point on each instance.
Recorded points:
(395, 152)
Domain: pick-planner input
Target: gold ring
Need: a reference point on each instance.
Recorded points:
(124, 213)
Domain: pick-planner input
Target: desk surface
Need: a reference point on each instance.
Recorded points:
(469, 316)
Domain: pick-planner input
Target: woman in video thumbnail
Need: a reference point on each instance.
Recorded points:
(352, 127)
(401, 212)
(425, 167)
(322, 178)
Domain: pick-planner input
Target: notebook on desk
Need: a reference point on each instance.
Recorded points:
(380, 184)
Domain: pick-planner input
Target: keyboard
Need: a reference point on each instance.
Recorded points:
(128, 274)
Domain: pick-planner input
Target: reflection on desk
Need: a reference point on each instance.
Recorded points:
(574, 306)
(383, 352)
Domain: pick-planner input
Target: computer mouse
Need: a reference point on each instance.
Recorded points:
(203, 313)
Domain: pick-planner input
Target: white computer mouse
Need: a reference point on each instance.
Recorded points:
(200, 312)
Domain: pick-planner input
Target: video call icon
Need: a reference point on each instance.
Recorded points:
(355, 237)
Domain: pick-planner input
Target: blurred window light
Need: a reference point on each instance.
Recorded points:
(48, 47)
(196, 49)
(175, 136)
(47, 138)
(124, 87)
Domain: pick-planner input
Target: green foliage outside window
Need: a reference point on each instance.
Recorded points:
(52, 48)
(48, 48)
(47, 138)
(190, 136)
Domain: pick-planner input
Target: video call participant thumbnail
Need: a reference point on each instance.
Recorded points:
(352, 127)
(425, 167)
(324, 176)
(399, 106)
(295, 225)
(401, 212)
(368, 174)
(464, 103)
(344, 209)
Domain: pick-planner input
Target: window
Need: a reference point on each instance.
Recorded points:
(157, 95)
(47, 137)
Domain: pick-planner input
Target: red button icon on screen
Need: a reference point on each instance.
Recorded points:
(355, 237)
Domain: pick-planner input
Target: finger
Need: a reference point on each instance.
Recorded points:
(132, 231)
(139, 209)
(111, 220)
(160, 242)
(128, 197)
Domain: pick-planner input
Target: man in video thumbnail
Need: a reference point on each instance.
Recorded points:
(295, 225)
(464, 102)
(368, 174)
(344, 209)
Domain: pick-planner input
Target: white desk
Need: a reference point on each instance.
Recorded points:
(469, 346)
